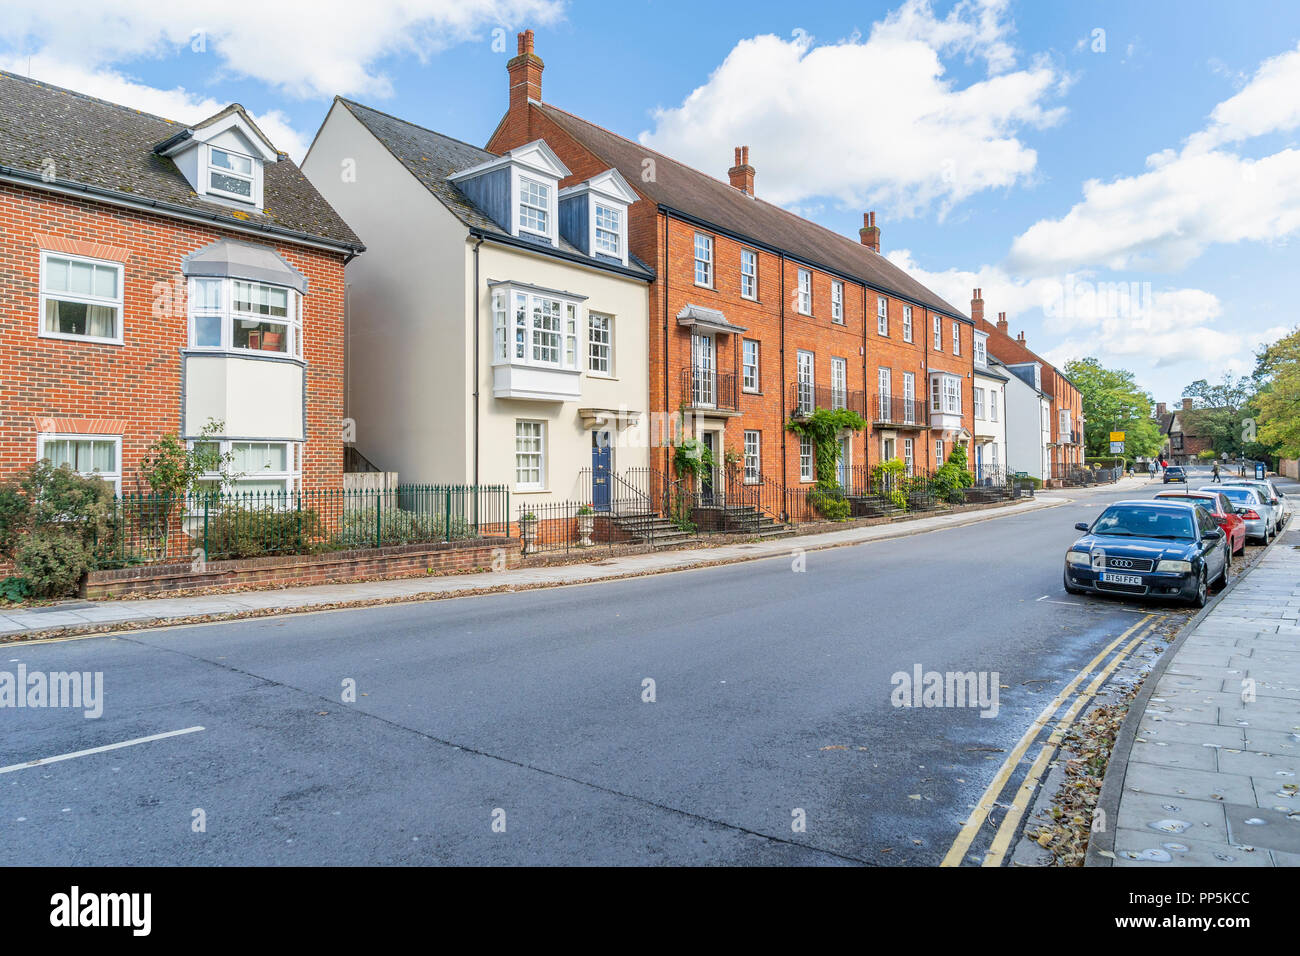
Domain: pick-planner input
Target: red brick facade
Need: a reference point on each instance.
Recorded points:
(134, 389)
(771, 318)
(1067, 443)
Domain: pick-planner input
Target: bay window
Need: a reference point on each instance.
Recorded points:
(234, 314)
(945, 394)
(539, 329)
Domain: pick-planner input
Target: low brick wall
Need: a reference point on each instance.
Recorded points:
(408, 560)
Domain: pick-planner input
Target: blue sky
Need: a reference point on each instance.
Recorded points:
(972, 128)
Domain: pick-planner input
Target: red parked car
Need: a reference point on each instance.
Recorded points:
(1223, 511)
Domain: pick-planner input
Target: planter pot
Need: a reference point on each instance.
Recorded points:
(585, 525)
(528, 532)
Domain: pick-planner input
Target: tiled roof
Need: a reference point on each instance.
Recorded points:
(678, 186)
(431, 157)
(104, 146)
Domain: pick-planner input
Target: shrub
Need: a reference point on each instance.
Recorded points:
(398, 526)
(53, 562)
(237, 532)
(830, 501)
(14, 589)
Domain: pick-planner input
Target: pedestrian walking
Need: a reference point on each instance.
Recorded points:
(1215, 472)
(1151, 467)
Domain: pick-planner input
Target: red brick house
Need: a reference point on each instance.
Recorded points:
(758, 315)
(1067, 446)
(1182, 443)
(157, 277)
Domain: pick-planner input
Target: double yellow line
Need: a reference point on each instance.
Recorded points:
(1002, 839)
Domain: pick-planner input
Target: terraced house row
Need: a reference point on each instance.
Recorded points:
(535, 313)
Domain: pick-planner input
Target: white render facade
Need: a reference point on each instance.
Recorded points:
(484, 347)
(1028, 423)
(989, 453)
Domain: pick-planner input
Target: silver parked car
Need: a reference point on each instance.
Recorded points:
(1250, 503)
(1271, 495)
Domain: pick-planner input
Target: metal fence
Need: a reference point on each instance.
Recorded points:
(157, 529)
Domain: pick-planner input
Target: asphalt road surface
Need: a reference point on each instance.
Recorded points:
(516, 729)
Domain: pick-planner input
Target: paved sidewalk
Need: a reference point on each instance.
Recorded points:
(1212, 775)
(100, 616)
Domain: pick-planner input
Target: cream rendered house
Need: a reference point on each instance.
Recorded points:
(988, 458)
(497, 332)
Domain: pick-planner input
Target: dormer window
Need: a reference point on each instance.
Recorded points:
(609, 231)
(230, 174)
(534, 207)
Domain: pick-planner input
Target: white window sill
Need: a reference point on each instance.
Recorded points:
(704, 285)
(530, 491)
(89, 339)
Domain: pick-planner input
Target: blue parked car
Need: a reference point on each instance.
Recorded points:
(1160, 549)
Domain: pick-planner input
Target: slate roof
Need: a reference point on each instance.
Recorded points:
(431, 157)
(697, 194)
(109, 147)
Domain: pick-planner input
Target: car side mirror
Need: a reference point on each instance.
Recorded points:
(1212, 535)
(1272, 501)
(1081, 526)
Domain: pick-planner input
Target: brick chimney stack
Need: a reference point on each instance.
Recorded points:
(977, 305)
(1161, 409)
(525, 71)
(1002, 325)
(1020, 337)
(742, 174)
(869, 234)
(1187, 404)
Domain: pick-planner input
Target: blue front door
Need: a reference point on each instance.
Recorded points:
(600, 466)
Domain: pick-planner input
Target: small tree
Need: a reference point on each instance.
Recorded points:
(952, 477)
(171, 471)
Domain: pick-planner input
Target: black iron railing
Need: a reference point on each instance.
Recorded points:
(900, 412)
(805, 398)
(702, 388)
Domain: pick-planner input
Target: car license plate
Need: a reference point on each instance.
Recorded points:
(1112, 578)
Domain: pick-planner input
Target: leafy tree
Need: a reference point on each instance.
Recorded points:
(1113, 401)
(170, 468)
(1278, 401)
(1218, 412)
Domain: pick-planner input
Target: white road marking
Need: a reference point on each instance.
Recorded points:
(97, 750)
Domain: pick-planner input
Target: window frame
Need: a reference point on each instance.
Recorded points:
(938, 334)
(119, 303)
(112, 477)
(540, 484)
(907, 323)
(508, 330)
(592, 344)
(524, 202)
(807, 465)
(840, 390)
(293, 457)
(619, 217)
(977, 396)
(228, 316)
(837, 301)
(956, 338)
(752, 257)
(252, 199)
(756, 387)
(980, 351)
(882, 316)
(803, 292)
(754, 475)
(703, 243)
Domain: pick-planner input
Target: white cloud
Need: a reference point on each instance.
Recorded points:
(914, 138)
(305, 47)
(1189, 199)
(177, 104)
(1133, 325)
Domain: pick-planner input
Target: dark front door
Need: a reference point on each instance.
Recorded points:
(600, 467)
(706, 476)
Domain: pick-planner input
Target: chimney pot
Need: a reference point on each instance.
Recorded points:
(742, 174)
(976, 306)
(1002, 323)
(1187, 404)
(525, 72)
(1161, 409)
(869, 233)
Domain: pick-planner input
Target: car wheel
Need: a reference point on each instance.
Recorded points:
(1222, 580)
(1070, 588)
(1242, 549)
(1202, 591)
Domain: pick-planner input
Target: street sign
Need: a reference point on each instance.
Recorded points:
(1116, 436)
(1117, 447)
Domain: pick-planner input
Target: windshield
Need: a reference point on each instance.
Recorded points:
(1140, 521)
(1244, 495)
